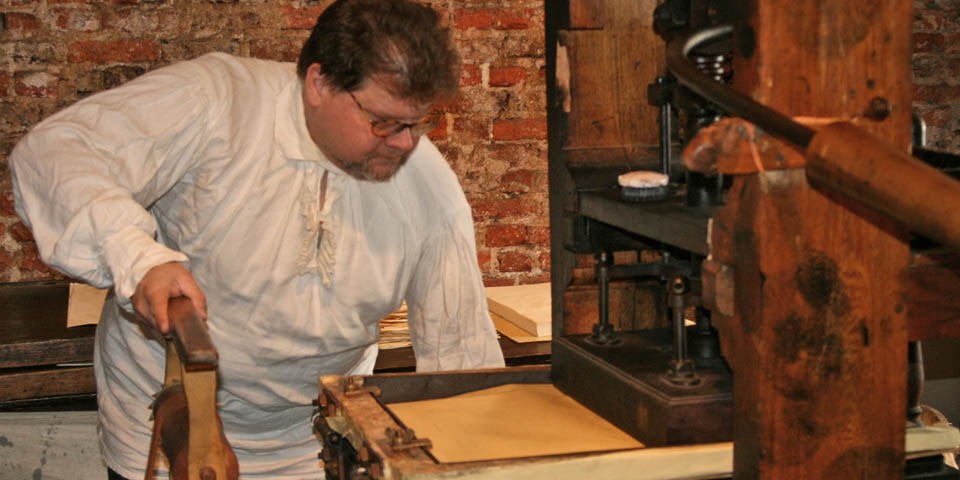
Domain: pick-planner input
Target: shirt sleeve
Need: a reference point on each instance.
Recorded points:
(84, 178)
(450, 325)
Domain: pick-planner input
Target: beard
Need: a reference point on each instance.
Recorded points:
(373, 168)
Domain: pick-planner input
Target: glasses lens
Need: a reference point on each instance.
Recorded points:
(389, 128)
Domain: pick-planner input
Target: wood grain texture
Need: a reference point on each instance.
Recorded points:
(818, 338)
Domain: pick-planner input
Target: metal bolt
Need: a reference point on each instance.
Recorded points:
(879, 109)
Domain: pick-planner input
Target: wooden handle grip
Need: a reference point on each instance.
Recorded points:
(189, 333)
(848, 160)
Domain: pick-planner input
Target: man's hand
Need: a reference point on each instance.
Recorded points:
(158, 286)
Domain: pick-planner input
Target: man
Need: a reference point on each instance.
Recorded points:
(294, 208)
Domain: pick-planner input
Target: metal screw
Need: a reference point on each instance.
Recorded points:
(879, 109)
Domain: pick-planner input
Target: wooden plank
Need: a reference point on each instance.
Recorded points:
(46, 383)
(606, 106)
(611, 14)
(33, 326)
(47, 352)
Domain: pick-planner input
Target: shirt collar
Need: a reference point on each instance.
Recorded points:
(290, 128)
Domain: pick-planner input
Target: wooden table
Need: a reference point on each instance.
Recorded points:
(44, 362)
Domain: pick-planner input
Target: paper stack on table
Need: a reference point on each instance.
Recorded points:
(521, 312)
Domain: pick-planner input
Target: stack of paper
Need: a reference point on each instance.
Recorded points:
(527, 307)
(394, 331)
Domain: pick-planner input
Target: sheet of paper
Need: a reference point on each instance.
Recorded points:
(510, 421)
(526, 306)
(85, 304)
(515, 333)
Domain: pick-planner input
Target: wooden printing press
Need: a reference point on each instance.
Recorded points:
(764, 320)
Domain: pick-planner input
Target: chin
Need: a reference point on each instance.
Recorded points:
(373, 169)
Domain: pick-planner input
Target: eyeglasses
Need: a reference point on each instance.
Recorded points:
(391, 127)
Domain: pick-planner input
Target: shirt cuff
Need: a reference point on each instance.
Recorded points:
(130, 254)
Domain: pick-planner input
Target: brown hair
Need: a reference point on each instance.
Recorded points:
(399, 43)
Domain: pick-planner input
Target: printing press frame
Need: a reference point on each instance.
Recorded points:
(785, 304)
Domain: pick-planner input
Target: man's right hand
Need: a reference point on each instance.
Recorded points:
(158, 286)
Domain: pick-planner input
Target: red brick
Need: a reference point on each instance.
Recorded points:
(928, 42)
(35, 84)
(495, 209)
(20, 232)
(76, 19)
(4, 83)
(545, 263)
(950, 44)
(484, 260)
(114, 51)
(498, 282)
(29, 258)
(470, 75)
(516, 181)
(520, 129)
(505, 235)
(459, 103)
(507, 76)
(542, 278)
(21, 23)
(301, 18)
(6, 259)
(514, 262)
(7, 206)
(440, 131)
(491, 19)
(926, 20)
(938, 94)
(539, 236)
(471, 129)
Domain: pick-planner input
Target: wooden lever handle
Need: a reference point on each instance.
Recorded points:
(854, 163)
(189, 333)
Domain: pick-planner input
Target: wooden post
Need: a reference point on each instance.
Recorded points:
(818, 336)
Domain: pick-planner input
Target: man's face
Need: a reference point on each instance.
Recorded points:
(340, 124)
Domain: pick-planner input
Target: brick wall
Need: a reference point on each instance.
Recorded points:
(936, 70)
(57, 51)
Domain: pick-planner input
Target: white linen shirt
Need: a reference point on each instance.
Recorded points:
(208, 162)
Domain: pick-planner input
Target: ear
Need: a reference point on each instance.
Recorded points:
(315, 86)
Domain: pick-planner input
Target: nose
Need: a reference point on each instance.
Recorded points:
(402, 140)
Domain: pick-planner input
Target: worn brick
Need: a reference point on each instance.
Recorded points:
(516, 181)
(29, 258)
(470, 75)
(440, 131)
(35, 84)
(4, 83)
(537, 278)
(301, 18)
(538, 236)
(496, 209)
(76, 19)
(6, 261)
(114, 51)
(486, 19)
(520, 129)
(507, 76)
(21, 25)
(514, 262)
(20, 232)
(7, 205)
(505, 235)
(928, 42)
(484, 259)
(489, 281)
